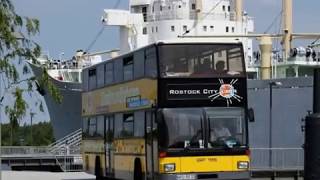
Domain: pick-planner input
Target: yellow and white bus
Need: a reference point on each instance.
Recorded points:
(167, 111)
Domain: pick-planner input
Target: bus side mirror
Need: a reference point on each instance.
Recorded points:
(251, 115)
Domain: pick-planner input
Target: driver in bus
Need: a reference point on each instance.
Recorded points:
(219, 131)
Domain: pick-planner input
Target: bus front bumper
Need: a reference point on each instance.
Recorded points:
(207, 176)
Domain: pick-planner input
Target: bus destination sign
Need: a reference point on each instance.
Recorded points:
(220, 91)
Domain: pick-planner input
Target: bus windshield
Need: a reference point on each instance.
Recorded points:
(201, 60)
(184, 128)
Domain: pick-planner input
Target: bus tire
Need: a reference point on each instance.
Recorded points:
(137, 174)
(97, 169)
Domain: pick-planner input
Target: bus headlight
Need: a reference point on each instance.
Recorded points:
(243, 165)
(169, 167)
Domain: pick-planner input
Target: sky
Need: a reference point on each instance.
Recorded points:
(69, 25)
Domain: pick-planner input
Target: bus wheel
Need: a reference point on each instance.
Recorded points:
(137, 169)
(97, 168)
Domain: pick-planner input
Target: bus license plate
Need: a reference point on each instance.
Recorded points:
(186, 176)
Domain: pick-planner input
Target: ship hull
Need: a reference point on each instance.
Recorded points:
(65, 117)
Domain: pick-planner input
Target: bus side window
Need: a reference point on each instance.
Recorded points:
(85, 80)
(92, 126)
(138, 69)
(128, 68)
(100, 75)
(92, 79)
(85, 127)
(100, 126)
(151, 62)
(127, 128)
(109, 73)
(118, 70)
(139, 123)
(117, 125)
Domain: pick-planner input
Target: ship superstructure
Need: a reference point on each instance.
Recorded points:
(150, 21)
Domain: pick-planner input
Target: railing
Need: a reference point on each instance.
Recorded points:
(277, 158)
(24, 150)
(71, 140)
(68, 158)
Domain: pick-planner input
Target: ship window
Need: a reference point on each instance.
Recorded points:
(138, 64)
(150, 66)
(223, 8)
(100, 126)
(232, 29)
(144, 30)
(185, 28)
(144, 12)
(169, 7)
(211, 28)
(128, 68)
(204, 28)
(160, 8)
(109, 76)
(92, 79)
(127, 126)
(153, 8)
(193, 6)
(156, 28)
(229, 9)
(227, 29)
(172, 28)
(152, 29)
(139, 124)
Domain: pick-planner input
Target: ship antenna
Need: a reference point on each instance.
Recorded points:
(101, 30)
(195, 25)
(273, 22)
(95, 39)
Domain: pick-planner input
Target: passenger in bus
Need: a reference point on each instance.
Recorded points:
(219, 131)
(220, 67)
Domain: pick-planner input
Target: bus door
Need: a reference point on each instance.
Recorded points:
(109, 134)
(149, 129)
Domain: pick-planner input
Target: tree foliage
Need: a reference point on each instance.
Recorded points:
(16, 43)
(40, 134)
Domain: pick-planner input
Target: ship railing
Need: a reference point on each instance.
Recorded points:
(277, 159)
(192, 16)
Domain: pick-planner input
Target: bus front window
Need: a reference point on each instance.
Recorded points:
(201, 60)
(181, 128)
(226, 127)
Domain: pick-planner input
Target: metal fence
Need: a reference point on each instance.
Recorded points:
(68, 158)
(277, 158)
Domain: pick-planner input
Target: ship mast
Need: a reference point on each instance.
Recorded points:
(287, 27)
(239, 9)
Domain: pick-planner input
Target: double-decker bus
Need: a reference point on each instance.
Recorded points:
(167, 111)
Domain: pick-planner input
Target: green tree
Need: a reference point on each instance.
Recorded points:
(16, 42)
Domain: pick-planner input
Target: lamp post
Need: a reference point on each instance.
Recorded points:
(1, 99)
(271, 84)
(31, 116)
